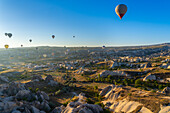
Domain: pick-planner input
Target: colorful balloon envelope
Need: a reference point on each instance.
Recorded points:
(121, 10)
(44, 55)
(6, 46)
(52, 54)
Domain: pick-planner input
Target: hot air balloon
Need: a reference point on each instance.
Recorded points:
(6, 34)
(121, 10)
(52, 54)
(30, 40)
(53, 36)
(21, 45)
(103, 47)
(9, 35)
(44, 55)
(6, 46)
(74, 36)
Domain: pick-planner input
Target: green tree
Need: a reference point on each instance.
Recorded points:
(138, 82)
(95, 87)
(160, 86)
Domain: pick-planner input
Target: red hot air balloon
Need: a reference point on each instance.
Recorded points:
(121, 10)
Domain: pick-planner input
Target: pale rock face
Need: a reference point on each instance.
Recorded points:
(34, 110)
(7, 106)
(106, 73)
(105, 90)
(37, 78)
(166, 90)
(13, 88)
(46, 97)
(45, 107)
(23, 94)
(80, 106)
(4, 79)
(16, 111)
(57, 110)
(145, 110)
(165, 110)
(149, 77)
(53, 83)
(49, 78)
(112, 95)
(115, 64)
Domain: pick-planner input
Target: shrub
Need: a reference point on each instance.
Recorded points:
(106, 111)
(37, 89)
(129, 94)
(100, 104)
(138, 82)
(88, 100)
(57, 92)
(65, 104)
(96, 94)
(153, 91)
(95, 87)
(74, 79)
(160, 86)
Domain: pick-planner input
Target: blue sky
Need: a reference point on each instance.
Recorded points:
(93, 22)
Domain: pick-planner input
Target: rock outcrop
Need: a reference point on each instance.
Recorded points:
(37, 78)
(3, 79)
(149, 77)
(50, 81)
(18, 98)
(166, 90)
(80, 106)
(118, 104)
(106, 73)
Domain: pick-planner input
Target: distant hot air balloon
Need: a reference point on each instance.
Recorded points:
(53, 36)
(21, 45)
(6, 46)
(121, 10)
(6, 34)
(52, 54)
(9, 35)
(30, 40)
(103, 47)
(74, 36)
(44, 55)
